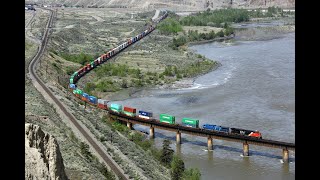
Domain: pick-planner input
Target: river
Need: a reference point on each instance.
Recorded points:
(253, 89)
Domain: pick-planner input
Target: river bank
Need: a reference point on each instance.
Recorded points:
(262, 30)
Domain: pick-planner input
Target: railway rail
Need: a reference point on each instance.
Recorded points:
(34, 77)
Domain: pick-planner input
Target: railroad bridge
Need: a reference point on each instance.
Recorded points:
(246, 140)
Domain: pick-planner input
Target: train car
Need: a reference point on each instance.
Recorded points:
(96, 62)
(71, 80)
(88, 67)
(78, 93)
(145, 115)
(72, 86)
(116, 108)
(213, 127)
(129, 111)
(92, 64)
(103, 57)
(167, 118)
(102, 104)
(93, 100)
(190, 122)
(245, 132)
(85, 97)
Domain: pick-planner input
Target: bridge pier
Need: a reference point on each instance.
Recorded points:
(285, 155)
(129, 125)
(178, 137)
(210, 145)
(151, 135)
(245, 149)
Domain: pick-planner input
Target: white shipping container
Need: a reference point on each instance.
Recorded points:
(144, 117)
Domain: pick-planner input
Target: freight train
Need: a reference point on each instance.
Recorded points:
(132, 112)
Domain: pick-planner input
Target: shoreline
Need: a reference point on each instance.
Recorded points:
(211, 40)
(189, 82)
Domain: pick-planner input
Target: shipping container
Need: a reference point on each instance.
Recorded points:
(102, 104)
(93, 99)
(71, 81)
(72, 86)
(85, 97)
(78, 91)
(144, 117)
(116, 110)
(92, 64)
(129, 113)
(129, 109)
(167, 121)
(216, 128)
(144, 113)
(88, 67)
(116, 106)
(167, 117)
(190, 122)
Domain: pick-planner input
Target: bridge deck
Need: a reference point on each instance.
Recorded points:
(204, 133)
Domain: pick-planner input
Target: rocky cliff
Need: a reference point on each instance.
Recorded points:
(42, 155)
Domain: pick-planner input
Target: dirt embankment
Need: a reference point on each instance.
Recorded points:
(134, 160)
(263, 29)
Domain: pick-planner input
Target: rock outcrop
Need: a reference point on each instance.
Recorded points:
(43, 159)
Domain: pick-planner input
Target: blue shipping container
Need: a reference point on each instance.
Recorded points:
(85, 95)
(72, 86)
(93, 99)
(144, 113)
(215, 127)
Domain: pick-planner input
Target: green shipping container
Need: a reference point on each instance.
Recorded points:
(129, 113)
(116, 110)
(167, 118)
(190, 122)
(71, 80)
(79, 92)
(167, 121)
(92, 64)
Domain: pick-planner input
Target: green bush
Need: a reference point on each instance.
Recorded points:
(169, 26)
(78, 58)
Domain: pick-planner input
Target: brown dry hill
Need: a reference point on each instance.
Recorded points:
(176, 5)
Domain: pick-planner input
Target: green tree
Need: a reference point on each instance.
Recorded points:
(104, 170)
(177, 168)
(84, 149)
(192, 174)
(166, 153)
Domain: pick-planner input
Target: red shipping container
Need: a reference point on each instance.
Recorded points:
(103, 56)
(129, 109)
(84, 99)
(102, 106)
(88, 66)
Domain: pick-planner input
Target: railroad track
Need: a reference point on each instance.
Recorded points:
(34, 77)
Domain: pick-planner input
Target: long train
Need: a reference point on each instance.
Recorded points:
(129, 111)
